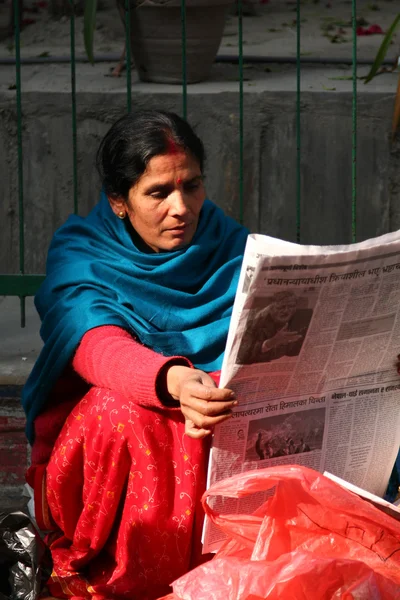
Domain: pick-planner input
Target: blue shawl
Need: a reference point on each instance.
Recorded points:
(177, 303)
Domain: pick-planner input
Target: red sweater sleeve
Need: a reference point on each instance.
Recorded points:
(110, 357)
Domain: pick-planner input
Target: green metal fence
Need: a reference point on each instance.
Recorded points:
(22, 284)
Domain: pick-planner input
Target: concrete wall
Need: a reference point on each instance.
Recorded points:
(269, 162)
(269, 176)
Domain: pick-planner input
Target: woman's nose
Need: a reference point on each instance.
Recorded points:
(179, 205)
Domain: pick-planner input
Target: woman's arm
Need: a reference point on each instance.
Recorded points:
(110, 357)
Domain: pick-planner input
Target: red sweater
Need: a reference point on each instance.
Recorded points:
(107, 357)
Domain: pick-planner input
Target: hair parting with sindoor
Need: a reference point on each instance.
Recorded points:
(134, 140)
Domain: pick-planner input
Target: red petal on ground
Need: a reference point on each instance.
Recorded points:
(371, 30)
(375, 29)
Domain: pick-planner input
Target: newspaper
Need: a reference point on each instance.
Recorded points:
(311, 354)
(387, 507)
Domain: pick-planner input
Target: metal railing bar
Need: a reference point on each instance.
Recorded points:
(184, 59)
(16, 6)
(128, 54)
(73, 108)
(20, 285)
(354, 126)
(221, 58)
(298, 123)
(241, 107)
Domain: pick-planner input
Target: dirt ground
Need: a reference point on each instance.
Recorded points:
(50, 34)
(271, 32)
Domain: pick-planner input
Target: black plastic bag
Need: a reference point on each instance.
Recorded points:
(24, 558)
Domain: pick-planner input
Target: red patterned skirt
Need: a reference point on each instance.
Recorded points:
(123, 488)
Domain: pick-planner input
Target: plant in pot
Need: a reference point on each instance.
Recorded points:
(156, 36)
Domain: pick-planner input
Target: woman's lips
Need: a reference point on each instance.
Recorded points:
(179, 229)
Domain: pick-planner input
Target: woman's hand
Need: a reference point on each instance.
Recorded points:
(202, 404)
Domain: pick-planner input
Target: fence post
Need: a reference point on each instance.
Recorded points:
(128, 55)
(354, 125)
(298, 122)
(73, 102)
(19, 149)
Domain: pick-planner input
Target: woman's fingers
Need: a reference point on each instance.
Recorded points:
(197, 389)
(203, 421)
(203, 404)
(194, 432)
(208, 409)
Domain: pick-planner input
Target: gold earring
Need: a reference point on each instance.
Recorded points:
(121, 214)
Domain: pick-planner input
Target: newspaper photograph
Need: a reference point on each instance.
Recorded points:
(311, 355)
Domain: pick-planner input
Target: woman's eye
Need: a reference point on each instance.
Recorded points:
(190, 187)
(159, 195)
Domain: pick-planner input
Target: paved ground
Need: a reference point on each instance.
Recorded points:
(19, 347)
(325, 30)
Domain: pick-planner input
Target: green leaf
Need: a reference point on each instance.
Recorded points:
(380, 57)
(89, 26)
(396, 112)
(329, 89)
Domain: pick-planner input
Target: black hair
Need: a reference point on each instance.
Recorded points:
(134, 140)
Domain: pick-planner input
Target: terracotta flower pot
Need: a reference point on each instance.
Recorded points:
(156, 38)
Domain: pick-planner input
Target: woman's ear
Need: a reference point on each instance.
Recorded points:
(118, 205)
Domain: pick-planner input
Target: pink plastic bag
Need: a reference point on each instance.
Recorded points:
(312, 540)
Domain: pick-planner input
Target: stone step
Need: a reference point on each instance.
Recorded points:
(14, 448)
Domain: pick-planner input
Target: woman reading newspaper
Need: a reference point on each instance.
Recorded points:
(135, 312)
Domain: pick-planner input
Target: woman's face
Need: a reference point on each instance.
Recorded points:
(165, 203)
